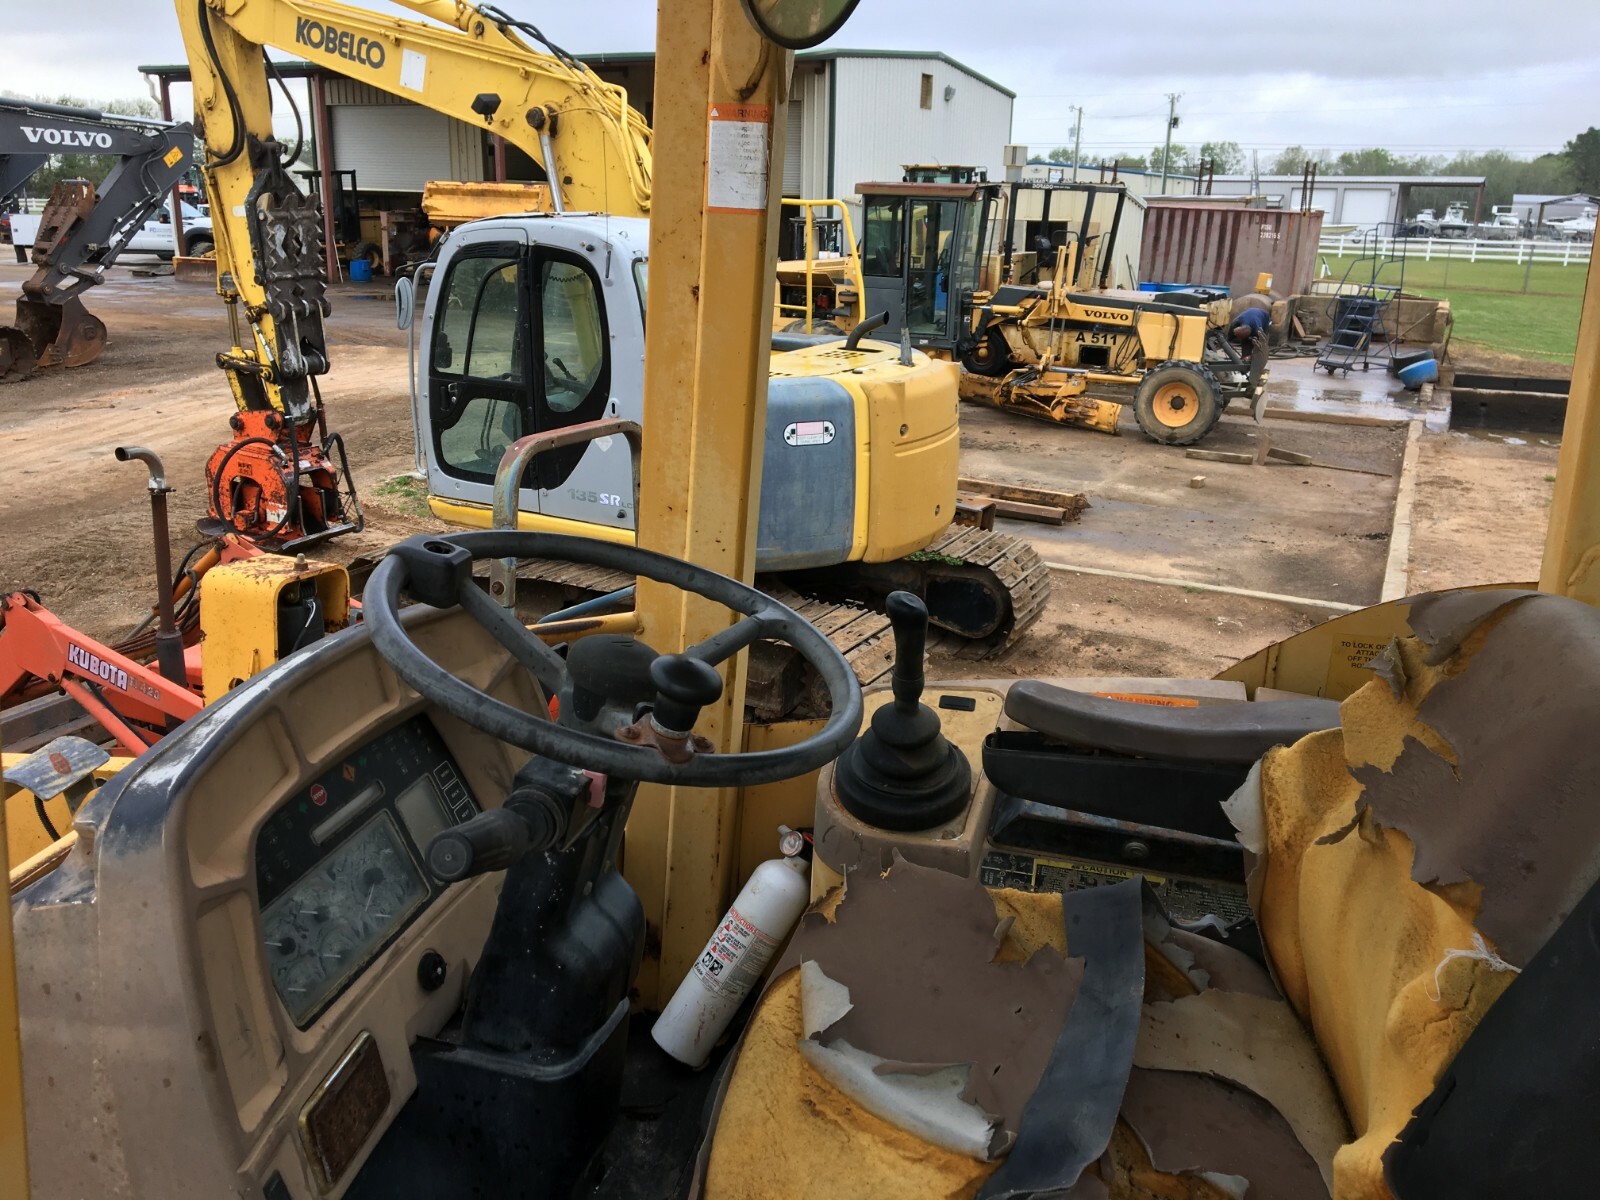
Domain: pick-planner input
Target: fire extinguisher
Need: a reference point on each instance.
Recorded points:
(745, 940)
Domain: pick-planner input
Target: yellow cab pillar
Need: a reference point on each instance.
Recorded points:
(719, 98)
(1572, 544)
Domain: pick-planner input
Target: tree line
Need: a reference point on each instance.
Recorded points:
(1574, 168)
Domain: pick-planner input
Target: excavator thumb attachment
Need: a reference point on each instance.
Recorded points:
(62, 335)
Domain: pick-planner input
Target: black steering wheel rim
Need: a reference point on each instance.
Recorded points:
(539, 735)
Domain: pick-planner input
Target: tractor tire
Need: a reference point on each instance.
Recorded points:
(368, 251)
(990, 357)
(198, 247)
(1178, 403)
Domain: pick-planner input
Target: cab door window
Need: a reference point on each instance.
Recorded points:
(574, 344)
(478, 387)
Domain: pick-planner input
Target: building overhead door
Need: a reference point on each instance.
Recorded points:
(391, 147)
(1366, 207)
(793, 178)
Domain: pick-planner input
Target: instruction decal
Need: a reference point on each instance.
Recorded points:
(1349, 664)
(808, 433)
(736, 157)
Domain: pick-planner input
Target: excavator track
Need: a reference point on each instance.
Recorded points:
(971, 565)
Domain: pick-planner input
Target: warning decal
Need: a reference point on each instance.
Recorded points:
(736, 158)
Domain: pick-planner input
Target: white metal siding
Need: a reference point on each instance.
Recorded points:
(810, 94)
(466, 153)
(794, 149)
(880, 124)
(391, 147)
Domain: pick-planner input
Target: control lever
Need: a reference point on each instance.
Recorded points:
(903, 773)
(684, 686)
(532, 820)
(490, 841)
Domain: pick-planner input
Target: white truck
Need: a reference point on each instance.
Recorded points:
(154, 235)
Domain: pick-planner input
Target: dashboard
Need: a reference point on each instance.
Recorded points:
(339, 867)
(247, 935)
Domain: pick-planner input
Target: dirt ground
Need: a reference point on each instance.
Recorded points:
(75, 523)
(1482, 505)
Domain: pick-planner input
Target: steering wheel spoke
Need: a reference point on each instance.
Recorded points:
(761, 617)
(527, 648)
(720, 647)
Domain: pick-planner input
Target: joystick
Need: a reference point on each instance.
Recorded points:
(903, 773)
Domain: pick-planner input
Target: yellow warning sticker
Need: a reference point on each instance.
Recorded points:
(173, 157)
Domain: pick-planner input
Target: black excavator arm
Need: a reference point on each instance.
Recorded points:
(83, 228)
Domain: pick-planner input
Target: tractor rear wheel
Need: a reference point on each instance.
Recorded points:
(1178, 403)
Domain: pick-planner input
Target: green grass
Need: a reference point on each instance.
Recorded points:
(405, 494)
(1491, 309)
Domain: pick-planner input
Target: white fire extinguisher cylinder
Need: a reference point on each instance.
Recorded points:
(747, 937)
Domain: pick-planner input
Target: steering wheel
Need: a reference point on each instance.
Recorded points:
(437, 570)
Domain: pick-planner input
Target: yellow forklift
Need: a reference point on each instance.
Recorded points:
(370, 926)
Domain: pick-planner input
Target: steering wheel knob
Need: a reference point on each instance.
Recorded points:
(684, 686)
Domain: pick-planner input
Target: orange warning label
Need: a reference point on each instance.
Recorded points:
(1157, 701)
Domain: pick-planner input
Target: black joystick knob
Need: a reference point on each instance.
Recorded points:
(903, 773)
(684, 686)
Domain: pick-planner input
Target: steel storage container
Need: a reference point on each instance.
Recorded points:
(1229, 245)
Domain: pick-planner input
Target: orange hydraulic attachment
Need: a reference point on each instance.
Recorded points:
(278, 486)
(122, 695)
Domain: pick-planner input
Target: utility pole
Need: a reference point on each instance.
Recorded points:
(1172, 123)
(1077, 140)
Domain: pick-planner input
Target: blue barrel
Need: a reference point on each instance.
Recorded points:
(1414, 375)
(360, 270)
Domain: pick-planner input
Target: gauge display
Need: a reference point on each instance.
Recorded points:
(339, 867)
(324, 929)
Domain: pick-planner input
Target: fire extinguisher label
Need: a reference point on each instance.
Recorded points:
(735, 957)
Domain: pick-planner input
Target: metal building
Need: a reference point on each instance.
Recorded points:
(855, 115)
(1137, 183)
(1359, 202)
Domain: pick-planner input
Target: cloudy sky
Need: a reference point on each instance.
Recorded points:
(1416, 77)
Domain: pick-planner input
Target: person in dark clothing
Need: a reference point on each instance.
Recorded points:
(1249, 325)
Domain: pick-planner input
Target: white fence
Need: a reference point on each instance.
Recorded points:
(1565, 254)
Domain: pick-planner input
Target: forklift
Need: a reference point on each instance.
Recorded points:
(370, 925)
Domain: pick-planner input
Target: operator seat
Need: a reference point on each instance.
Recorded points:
(1409, 859)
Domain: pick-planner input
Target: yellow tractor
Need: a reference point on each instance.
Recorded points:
(1014, 280)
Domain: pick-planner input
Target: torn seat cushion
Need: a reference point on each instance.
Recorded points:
(1456, 799)
(814, 1140)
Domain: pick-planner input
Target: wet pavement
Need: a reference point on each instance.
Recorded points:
(1298, 384)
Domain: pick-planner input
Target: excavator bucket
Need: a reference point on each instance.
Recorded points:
(17, 358)
(62, 335)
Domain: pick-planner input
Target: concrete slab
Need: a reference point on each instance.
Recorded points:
(1299, 385)
(1290, 530)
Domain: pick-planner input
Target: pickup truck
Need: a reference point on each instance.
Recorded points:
(154, 238)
